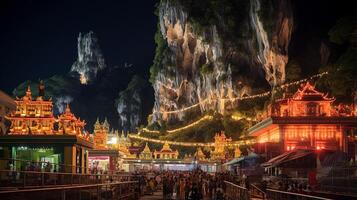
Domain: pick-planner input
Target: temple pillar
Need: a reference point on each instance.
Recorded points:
(282, 141)
(83, 166)
(70, 159)
(312, 136)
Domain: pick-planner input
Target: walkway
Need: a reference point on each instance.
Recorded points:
(156, 196)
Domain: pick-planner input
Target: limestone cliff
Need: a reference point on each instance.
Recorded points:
(132, 105)
(90, 59)
(210, 50)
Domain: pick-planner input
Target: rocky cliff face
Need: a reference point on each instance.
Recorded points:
(214, 50)
(90, 59)
(98, 97)
(130, 104)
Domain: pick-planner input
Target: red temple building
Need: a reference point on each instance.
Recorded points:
(32, 116)
(69, 124)
(101, 131)
(36, 135)
(307, 120)
(105, 155)
(166, 153)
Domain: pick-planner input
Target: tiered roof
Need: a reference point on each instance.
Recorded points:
(308, 93)
(69, 119)
(35, 117)
(166, 150)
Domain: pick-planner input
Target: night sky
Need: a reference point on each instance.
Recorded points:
(39, 38)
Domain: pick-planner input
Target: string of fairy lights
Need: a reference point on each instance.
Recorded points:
(204, 118)
(187, 144)
(260, 95)
(192, 144)
(208, 117)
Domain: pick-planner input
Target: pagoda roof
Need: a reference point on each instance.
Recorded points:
(28, 98)
(68, 115)
(273, 121)
(166, 149)
(309, 93)
(36, 101)
(146, 149)
(199, 153)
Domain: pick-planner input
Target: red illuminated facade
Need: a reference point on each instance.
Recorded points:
(36, 135)
(307, 120)
(32, 116)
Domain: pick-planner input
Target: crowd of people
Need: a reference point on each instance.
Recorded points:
(199, 185)
(191, 185)
(188, 185)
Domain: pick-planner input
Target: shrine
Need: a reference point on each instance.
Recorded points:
(146, 153)
(34, 136)
(32, 116)
(105, 155)
(307, 120)
(200, 155)
(101, 131)
(69, 124)
(166, 153)
(220, 141)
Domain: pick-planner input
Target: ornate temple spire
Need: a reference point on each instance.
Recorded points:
(68, 109)
(97, 125)
(28, 93)
(199, 154)
(166, 147)
(106, 124)
(146, 149)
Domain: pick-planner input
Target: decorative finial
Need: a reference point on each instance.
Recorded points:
(68, 110)
(28, 91)
(41, 89)
(106, 124)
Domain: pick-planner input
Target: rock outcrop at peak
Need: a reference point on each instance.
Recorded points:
(208, 51)
(90, 59)
(132, 103)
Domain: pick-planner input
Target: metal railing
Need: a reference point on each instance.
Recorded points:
(282, 195)
(255, 191)
(123, 190)
(234, 191)
(25, 179)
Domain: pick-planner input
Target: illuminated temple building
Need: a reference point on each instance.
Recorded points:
(101, 131)
(105, 155)
(69, 124)
(307, 120)
(220, 141)
(146, 153)
(166, 153)
(110, 148)
(37, 135)
(32, 116)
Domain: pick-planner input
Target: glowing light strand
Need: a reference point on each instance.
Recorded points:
(204, 118)
(264, 94)
(207, 117)
(189, 144)
(192, 144)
